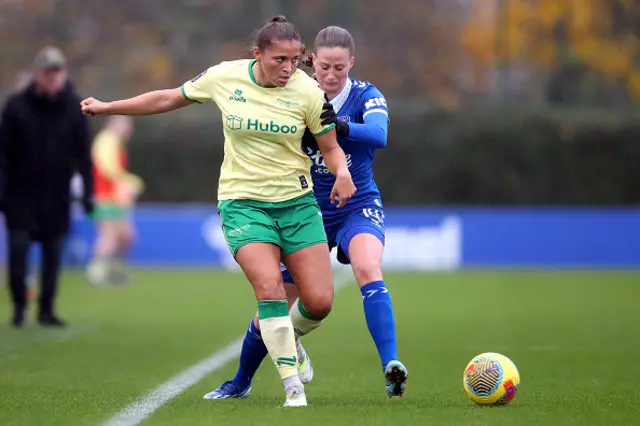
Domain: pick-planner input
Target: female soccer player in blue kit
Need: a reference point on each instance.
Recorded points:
(357, 230)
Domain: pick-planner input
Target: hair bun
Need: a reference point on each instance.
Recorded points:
(279, 18)
(307, 60)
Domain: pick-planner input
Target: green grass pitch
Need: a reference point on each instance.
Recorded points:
(573, 335)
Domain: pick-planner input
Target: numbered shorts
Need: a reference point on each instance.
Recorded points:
(341, 230)
(291, 225)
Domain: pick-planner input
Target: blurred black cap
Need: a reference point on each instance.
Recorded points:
(50, 57)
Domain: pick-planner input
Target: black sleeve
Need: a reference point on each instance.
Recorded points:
(83, 161)
(7, 134)
(307, 138)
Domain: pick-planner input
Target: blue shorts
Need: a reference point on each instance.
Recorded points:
(341, 229)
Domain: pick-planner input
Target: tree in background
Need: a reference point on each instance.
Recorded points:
(577, 41)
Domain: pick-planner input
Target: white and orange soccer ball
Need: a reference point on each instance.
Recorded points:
(491, 379)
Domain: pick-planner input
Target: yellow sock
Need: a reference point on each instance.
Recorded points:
(278, 336)
(303, 322)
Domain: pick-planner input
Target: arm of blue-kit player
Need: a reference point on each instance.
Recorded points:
(373, 132)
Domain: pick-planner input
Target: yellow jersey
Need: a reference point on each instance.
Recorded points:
(110, 162)
(263, 128)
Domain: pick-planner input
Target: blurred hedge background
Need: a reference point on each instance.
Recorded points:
(530, 102)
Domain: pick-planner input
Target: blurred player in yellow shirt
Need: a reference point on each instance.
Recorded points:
(115, 193)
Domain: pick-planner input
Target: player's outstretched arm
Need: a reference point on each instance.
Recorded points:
(155, 102)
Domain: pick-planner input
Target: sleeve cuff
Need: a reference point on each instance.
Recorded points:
(186, 97)
(324, 130)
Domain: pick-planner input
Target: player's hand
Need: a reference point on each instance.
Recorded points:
(343, 189)
(92, 106)
(329, 116)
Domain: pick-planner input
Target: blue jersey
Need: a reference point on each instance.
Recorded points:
(365, 109)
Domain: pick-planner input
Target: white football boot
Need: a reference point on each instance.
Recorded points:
(305, 367)
(295, 396)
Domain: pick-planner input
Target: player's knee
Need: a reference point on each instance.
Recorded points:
(122, 241)
(319, 306)
(366, 272)
(126, 241)
(106, 244)
(269, 289)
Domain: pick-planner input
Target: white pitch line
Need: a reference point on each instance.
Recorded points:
(137, 412)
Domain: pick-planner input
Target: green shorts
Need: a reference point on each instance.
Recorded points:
(108, 211)
(292, 225)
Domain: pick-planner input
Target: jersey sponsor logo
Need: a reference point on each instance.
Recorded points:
(319, 166)
(237, 96)
(375, 103)
(271, 127)
(287, 103)
(234, 122)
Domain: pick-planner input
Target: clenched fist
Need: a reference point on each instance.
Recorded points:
(91, 106)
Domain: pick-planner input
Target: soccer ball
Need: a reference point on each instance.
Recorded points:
(491, 379)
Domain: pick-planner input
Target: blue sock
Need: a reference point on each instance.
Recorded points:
(251, 356)
(378, 312)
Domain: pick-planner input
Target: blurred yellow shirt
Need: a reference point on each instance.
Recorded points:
(110, 164)
(263, 128)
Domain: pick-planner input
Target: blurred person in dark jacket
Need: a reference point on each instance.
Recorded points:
(44, 138)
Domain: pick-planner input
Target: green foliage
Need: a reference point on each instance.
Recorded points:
(501, 156)
(482, 156)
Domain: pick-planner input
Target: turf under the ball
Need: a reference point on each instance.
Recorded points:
(572, 335)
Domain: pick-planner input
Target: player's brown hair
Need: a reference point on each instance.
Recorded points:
(278, 28)
(332, 37)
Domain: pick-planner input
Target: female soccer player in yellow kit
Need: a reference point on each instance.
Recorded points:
(265, 197)
(115, 191)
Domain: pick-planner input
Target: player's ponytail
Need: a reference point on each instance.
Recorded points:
(307, 61)
(278, 28)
